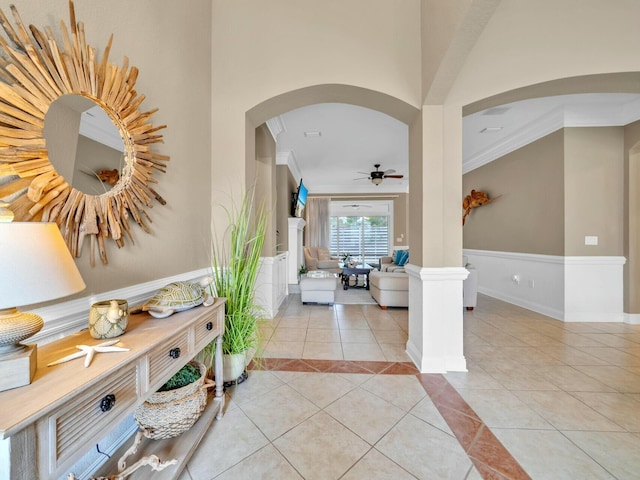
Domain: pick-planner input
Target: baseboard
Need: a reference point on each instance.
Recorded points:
(535, 307)
(632, 318)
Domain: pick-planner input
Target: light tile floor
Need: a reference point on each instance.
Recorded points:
(557, 400)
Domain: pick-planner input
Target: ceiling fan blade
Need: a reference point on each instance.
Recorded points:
(362, 178)
(391, 170)
(394, 176)
(364, 173)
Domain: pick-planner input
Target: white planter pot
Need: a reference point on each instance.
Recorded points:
(233, 366)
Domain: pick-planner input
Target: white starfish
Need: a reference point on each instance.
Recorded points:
(90, 351)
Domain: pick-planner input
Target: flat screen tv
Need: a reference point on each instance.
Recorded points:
(299, 200)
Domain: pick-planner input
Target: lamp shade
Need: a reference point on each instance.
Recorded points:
(35, 264)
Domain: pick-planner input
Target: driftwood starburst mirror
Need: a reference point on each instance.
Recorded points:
(39, 74)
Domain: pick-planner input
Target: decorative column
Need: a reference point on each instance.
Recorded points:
(435, 318)
(296, 257)
(435, 342)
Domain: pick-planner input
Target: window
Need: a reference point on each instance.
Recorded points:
(365, 239)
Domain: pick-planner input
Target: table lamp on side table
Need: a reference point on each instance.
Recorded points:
(35, 266)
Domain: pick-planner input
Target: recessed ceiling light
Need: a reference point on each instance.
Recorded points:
(491, 129)
(496, 111)
(312, 134)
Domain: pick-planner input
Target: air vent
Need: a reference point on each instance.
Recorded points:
(496, 111)
(312, 134)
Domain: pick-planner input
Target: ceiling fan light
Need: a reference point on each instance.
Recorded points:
(376, 180)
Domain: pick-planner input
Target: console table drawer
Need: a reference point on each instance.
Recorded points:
(84, 419)
(164, 358)
(205, 331)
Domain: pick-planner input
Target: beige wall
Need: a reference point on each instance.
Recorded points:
(593, 190)
(265, 49)
(525, 43)
(529, 215)
(554, 192)
(266, 184)
(285, 186)
(170, 44)
(632, 215)
(401, 220)
(220, 59)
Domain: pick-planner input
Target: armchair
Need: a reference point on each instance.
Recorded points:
(319, 258)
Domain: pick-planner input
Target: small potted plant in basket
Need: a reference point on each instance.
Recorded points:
(177, 405)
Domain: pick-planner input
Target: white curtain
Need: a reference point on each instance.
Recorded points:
(318, 231)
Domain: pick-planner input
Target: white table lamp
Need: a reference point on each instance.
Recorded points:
(35, 267)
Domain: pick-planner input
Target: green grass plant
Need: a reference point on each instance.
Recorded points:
(235, 262)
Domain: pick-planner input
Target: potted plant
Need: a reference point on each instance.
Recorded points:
(235, 262)
(301, 271)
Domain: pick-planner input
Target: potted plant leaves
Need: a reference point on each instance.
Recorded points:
(235, 263)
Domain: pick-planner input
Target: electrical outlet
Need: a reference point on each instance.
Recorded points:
(591, 240)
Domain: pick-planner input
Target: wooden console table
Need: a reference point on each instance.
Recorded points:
(55, 420)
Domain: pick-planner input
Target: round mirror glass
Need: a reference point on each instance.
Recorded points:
(84, 144)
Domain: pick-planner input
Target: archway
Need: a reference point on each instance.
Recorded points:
(327, 93)
(608, 83)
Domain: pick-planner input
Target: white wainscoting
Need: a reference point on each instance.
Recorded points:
(572, 289)
(594, 289)
(271, 284)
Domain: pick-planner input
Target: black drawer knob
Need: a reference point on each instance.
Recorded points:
(209, 325)
(107, 402)
(174, 353)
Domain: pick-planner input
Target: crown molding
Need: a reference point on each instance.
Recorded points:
(576, 115)
(531, 132)
(276, 127)
(289, 158)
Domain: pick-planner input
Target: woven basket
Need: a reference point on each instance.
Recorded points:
(171, 413)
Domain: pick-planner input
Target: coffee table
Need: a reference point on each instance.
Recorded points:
(357, 270)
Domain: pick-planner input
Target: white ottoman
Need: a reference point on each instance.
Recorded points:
(318, 287)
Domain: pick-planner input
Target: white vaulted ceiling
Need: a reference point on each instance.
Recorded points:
(329, 144)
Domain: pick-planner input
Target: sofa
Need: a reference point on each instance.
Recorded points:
(389, 286)
(389, 289)
(319, 258)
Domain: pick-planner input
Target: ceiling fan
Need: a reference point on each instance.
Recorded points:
(377, 176)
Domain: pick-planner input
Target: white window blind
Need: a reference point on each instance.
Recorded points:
(365, 239)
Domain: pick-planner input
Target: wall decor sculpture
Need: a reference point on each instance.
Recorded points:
(37, 71)
(473, 200)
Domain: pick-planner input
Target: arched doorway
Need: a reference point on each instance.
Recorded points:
(319, 94)
(575, 303)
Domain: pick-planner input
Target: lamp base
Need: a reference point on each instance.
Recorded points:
(18, 368)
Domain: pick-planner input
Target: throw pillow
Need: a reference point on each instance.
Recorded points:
(403, 258)
(323, 254)
(394, 256)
